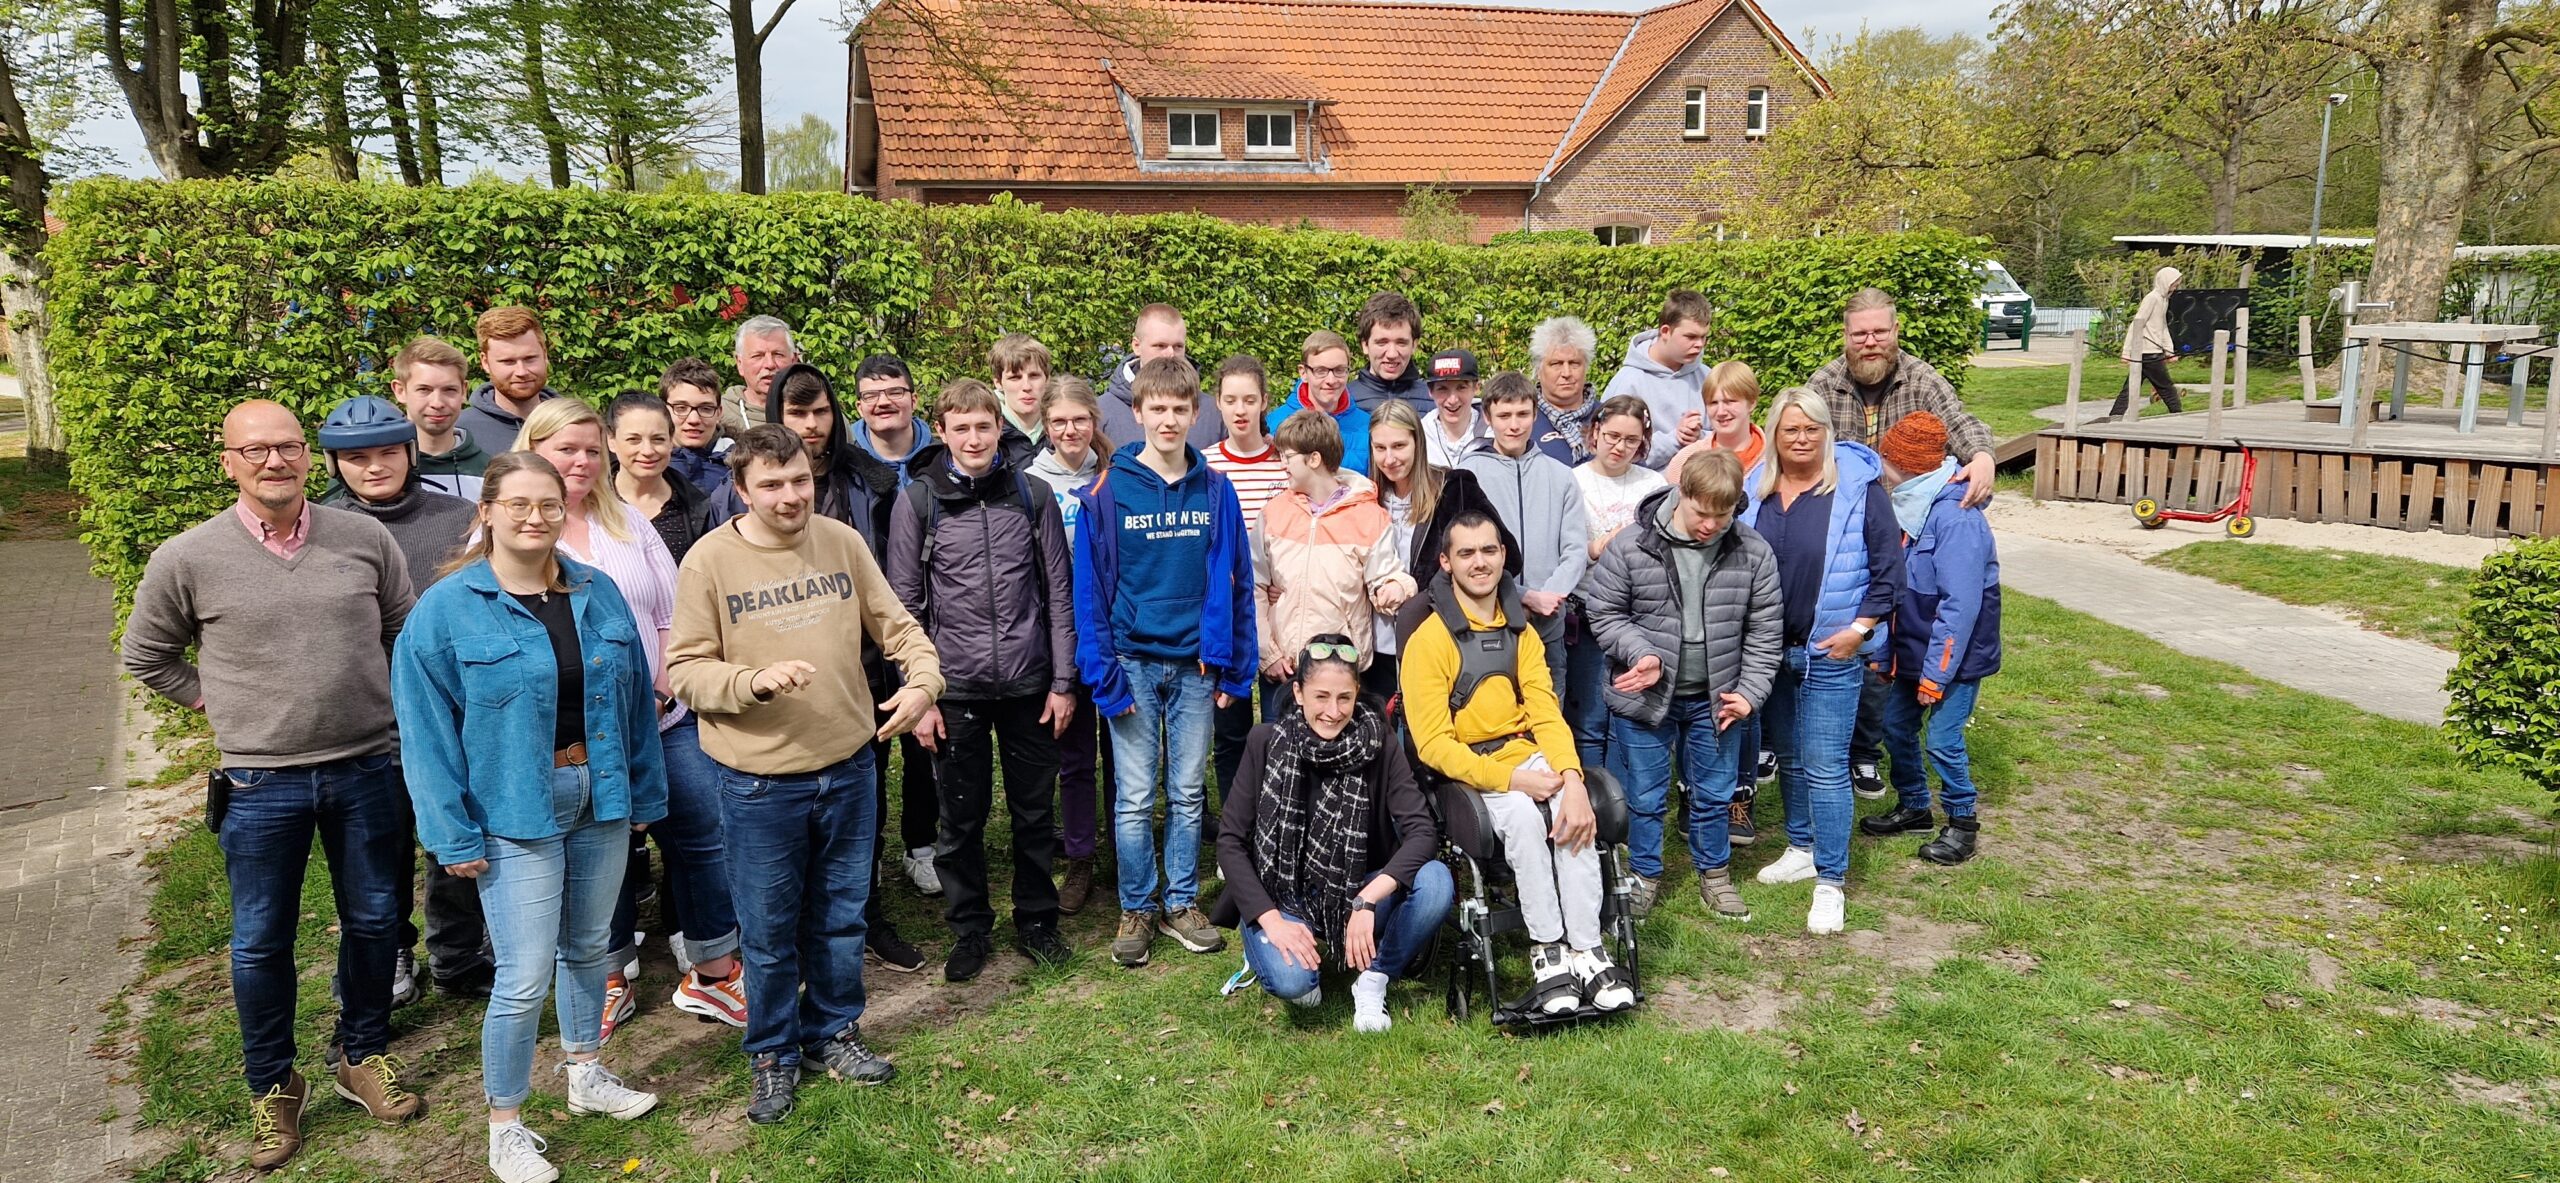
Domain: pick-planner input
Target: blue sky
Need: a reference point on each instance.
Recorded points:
(805, 61)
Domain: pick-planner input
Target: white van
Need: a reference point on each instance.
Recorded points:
(2007, 309)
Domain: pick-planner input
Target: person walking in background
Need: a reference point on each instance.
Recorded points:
(2147, 340)
(1946, 639)
(290, 609)
(1828, 521)
(529, 733)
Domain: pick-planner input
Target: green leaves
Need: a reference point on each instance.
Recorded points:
(2504, 712)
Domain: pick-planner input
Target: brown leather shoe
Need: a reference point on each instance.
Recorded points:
(275, 1123)
(1075, 887)
(374, 1082)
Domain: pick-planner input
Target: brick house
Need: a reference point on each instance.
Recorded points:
(1281, 112)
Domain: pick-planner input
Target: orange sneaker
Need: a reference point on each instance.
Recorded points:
(719, 1000)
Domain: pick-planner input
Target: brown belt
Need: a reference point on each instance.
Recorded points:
(575, 753)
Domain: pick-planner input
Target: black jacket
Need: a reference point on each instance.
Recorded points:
(1402, 836)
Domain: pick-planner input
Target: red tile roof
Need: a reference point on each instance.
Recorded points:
(1417, 92)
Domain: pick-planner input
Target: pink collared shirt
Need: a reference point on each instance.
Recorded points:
(283, 546)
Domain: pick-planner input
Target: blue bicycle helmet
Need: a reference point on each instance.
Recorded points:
(366, 421)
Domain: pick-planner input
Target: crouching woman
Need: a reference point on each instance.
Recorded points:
(1326, 844)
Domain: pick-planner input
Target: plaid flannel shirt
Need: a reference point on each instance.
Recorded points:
(1915, 385)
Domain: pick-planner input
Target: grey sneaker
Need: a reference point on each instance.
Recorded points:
(1641, 892)
(845, 1058)
(1715, 890)
(776, 1089)
(1137, 932)
(404, 977)
(1193, 929)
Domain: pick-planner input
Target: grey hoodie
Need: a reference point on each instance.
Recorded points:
(1063, 482)
(1539, 500)
(1671, 393)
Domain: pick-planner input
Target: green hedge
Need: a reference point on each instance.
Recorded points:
(2504, 714)
(174, 301)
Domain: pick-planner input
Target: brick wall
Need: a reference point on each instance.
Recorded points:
(1363, 211)
(1157, 134)
(1642, 170)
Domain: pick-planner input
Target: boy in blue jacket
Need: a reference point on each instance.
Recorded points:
(1164, 633)
(1946, 636)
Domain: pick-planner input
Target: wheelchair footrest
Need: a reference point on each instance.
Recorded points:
(1518, 1014)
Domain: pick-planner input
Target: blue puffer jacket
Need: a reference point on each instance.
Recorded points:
(474, 685)
(1947, 621)
(1844, 555)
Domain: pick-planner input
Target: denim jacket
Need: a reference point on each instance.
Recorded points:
(474, 685)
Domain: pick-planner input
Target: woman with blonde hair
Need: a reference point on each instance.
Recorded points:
(1817, 502)
(1409, 487)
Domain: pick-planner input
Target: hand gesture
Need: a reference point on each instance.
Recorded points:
(1639, 677)
(905, 709)
(782, 677)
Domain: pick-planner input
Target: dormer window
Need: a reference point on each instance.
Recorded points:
(1192, 134)
(1270, 133)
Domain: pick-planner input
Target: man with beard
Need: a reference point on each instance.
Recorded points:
(1873, 384)
(516, 355)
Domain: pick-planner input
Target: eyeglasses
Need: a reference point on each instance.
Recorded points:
(694, 410)
(1328, 651)
(258, 453)
(885, 392)
(522, 509)
(1325, 371)
(1872, 334)
(1611, 439)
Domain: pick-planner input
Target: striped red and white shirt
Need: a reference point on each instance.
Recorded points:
(1257, 478)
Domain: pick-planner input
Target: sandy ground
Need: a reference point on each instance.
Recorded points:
(2112, 526)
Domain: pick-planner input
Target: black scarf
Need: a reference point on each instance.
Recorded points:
(1311, 827)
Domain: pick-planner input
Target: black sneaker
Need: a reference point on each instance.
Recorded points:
(1864, 780)
(1042, 944)
(1768, 768)
(1953, 844)
(1738, 825)
(892, 951)
(1903, 820)
(968, 958)
(846, 1059)
(773, 1089)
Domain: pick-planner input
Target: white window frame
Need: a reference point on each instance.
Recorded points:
(1289, 148)
(1212, 150)
(1755, 112)
(1693, 113)
(1618, 235)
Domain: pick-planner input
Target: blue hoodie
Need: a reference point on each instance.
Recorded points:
(1946, 624)
(1164, 572)
(1351, 419)
(860, 432)
(1671, 394)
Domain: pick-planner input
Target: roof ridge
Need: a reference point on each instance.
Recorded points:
(1549, 169)
(1429, 5)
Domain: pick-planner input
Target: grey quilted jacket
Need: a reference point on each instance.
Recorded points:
(1632, 599)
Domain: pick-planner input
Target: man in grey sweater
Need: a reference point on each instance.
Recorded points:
(1539, 502)
(292, 609)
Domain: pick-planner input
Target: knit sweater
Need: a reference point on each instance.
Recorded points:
(429, 526)
(293, 660)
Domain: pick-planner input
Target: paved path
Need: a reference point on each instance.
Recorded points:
(2299, 647)
(71, 883)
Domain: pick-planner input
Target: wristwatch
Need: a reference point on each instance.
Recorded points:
(1363, 905)
(1862, 629)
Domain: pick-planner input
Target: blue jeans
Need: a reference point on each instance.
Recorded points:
(1706, 774)
(1406, 923)
(1586, 670)
(697, 864)
(550, 907)
(1171, 722)
(1746, 757)
(361, 813)
(1812, 711)
(1944, 743)
(800, 852)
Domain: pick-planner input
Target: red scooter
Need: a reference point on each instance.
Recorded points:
(2234, 514)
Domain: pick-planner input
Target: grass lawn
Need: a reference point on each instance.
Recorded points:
(2409, 598)
(2220, 931)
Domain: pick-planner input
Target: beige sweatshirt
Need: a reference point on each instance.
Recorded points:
(741, 607)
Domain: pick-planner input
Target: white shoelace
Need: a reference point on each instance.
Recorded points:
(515, 1142)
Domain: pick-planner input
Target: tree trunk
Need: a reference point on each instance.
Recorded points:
(395, 109)
(2226, 188)
(430, 125)
(149, 73)
(537, 85)
(2430, 124)
(336, 131)
(746, 53)
(22, 271)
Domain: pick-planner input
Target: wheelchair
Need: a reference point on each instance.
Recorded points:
(1488, 905)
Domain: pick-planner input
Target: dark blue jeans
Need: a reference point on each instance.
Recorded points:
(1706, 774)
(1586, 670)
(1942, 739)
(697, 864)
(800, 875)
(1812, 711)
(1406, 924)
(358, 809)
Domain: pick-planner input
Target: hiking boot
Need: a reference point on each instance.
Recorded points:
(845, 1058)
(1042, 944)
(595, 1090)
(374, 1082)
(515, 1155)
(275, 1122)
(619, 1005)
(1864, 781)
(715, 1000)
(1715, 890)
(1137, 931)
(1902, 820)
(1737, 824)
(1953, 844)
(1795, 866)
(773, 1089)
(1191, 927)
(1075, 886)
(1641, 892)
(968, 958)
(921, 871)
(1558, 990)
(1606, 986)
(892, 951)
(1829, 913)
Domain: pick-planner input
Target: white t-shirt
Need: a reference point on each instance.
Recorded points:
(1444, 451)
(1611, 502)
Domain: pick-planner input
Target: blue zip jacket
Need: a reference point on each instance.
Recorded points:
(1845, 571)
(474, 686)
(1163, 572)
(1947, 621)
(1353, 421)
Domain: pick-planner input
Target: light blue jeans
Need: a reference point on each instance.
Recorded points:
(1812, 711)
(1706, 758)
(1171, 722)
(549, 903)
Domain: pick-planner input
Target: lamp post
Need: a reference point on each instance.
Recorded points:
(2320, 185)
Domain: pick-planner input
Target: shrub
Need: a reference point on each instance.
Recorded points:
(2504, 714)
(1542, 238)
(174, 301)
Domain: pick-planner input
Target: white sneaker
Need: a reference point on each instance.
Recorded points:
(919, 862)
(1558, 990)
(404, 977)
(1604, 994)
(1794, 866)
(1829, 914)
(1313, 998)
(594, 1089)
(1369, 1003)
(515, 1155)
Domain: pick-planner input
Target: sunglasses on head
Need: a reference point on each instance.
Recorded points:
(1328, 651)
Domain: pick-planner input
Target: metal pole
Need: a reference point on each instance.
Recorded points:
(2319, 186)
